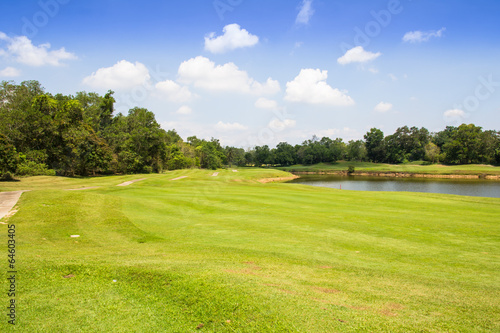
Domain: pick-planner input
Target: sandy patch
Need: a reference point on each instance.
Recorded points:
(277, 179)
(131, 182)
(181, 177)
(215, 174)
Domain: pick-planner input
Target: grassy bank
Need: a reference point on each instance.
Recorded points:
(230, 254)
(416, 168)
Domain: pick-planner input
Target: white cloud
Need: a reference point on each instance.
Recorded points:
(174, 92)
(229, 126)
(203, 73)
(383, 107)
(345, 133)
(184, 110)
(10, 72)
(278, 125)
(393, 77)
(357, 54)
(455, 115)
(264, 103)
(421, 36)
(373, 70)
(234, 37)
(310, 87)
(122, 75)
(22, 50)
(305, 12)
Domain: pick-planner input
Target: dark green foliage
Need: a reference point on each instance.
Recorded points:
(80, 135)
(8, 158)
(375, 148)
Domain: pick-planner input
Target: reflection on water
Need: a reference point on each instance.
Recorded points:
(471, 187)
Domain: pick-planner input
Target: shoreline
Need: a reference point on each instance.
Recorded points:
(397, 174)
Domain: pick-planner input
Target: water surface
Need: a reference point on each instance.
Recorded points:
(470, 187)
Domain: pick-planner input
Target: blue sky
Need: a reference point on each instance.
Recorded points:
(253, 72)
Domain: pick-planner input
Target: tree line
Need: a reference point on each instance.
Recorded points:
(45, 134)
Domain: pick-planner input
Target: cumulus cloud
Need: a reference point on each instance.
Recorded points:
(346, 133)
(305, 12)
(233, 38)
(229, 126)
(383, 107)
(184, 110)
(422, 36)
(10, 72)
(280, 125)
(264, 103)
(22, 50)
(357, 54)
(174, 92)
(203, 73)
(310, 87)
(454, 115)
(122, 75)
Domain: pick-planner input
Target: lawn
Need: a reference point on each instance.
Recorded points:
(415, 167)
(230, 254)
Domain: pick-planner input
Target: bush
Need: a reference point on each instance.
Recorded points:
(30, 168)
(7, 176)
(350, 169)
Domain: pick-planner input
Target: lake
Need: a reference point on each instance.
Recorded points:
(470, 187)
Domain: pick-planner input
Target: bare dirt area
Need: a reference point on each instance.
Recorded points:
(277, 179)
(131, 182)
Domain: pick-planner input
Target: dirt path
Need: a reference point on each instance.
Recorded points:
(131, 182)
(8, 200)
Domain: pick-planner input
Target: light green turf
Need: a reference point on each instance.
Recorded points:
(415, 167)
(239, 256)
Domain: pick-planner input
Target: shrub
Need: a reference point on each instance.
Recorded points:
(30, 168)
(350, 169)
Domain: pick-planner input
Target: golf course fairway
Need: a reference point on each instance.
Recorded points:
(227, 253)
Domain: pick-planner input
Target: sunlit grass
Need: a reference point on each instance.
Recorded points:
(229, 254)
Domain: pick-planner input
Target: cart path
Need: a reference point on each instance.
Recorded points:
(8, 200)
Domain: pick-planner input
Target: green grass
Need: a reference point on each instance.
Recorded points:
(414, 167)
(239, 256)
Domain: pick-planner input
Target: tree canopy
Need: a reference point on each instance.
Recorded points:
(82, 135)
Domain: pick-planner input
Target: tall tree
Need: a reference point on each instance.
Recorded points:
(374, 142)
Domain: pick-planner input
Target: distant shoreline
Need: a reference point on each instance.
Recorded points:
(398, 174)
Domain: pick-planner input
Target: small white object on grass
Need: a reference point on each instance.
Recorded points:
(114, 280)
(74, 236)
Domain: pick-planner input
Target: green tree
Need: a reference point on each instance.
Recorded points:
(356, 151)
(374, 142)
(284, 154)
(465, 145)
(9, 157)
(432, 152)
